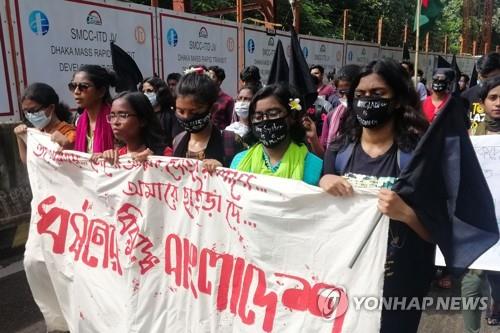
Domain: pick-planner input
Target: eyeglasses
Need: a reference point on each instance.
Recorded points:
(257, 117)
(82, 86)
(149, 90)
(33, 110)
(112, 117)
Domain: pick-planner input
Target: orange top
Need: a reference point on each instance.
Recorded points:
(69, 131)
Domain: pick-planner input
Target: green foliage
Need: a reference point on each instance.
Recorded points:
(325, 18)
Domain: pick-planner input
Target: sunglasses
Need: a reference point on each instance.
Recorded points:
(81, 86)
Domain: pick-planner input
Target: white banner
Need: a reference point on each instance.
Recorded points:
(324, 52)
(60, 35)
(8, 100)
(163, 247)
(487, 149)
(361, 54)
(196, 40)
(260, 48)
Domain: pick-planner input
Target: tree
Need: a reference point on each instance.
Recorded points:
(325, 19)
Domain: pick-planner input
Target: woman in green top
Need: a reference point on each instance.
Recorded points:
(276, 128)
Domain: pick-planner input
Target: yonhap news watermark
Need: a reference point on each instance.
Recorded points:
(335, 302)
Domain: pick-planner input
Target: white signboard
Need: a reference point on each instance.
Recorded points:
(260, 48)
(324, 52)
(361, 54)
(8, 106)
(487, 149)
(58, 36)
(195, 40)
(395, 53)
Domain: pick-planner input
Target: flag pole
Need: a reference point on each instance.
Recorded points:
(417, 42)
(376, 219)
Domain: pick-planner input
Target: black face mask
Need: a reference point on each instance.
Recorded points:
(439, 86)
(196, 123)
(372, 111)
(271, 132)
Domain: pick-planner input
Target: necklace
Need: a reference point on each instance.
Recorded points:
(269, 165)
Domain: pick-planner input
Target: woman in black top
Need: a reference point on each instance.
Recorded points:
(201, 140)
(382, 126)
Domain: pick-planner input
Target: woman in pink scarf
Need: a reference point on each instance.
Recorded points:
(90, 88)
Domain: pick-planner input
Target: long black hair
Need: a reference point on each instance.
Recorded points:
(101, 78)
(283, 93)
(163, 94)
(45, 95)
(409, 122)
(151, 132)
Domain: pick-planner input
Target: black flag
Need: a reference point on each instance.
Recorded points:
(300, 77)
(455, 88)
(442, 63)
(473, 77)
(279, 68)
(406, 52)
(446, 187)
(129, 75)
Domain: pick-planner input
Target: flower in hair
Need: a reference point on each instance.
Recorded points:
(197, 70)
(295, 104)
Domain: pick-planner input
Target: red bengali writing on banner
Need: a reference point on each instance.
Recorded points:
(176, 168)
(236, 276)
(189, 266)
(89, 237)
(194, 201)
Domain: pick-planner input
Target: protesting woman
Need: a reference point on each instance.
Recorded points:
(201, 140)
(241, 109)
(276, 128)
(381, 127)
(134, 123)
(90, 88)
(41, 107)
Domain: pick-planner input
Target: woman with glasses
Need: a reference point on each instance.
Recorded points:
(90, 88)
(134, 123)
(201, 140)
(42, 108)
(276, 128)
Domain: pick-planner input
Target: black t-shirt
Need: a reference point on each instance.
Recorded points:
(472, 102)
(409, 261)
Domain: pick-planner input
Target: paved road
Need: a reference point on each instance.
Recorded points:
(18, 311)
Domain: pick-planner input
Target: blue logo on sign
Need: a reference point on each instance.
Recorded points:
(172, 37)
(349, 56)
(305, 50)
(251, 45)
(39, 23)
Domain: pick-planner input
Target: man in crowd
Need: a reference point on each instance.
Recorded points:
(172, 80)
(488, 67)
(420, 87)
(223, 112)
(324, 90)
(251, 76)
